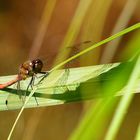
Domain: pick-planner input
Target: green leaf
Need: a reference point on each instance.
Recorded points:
(59, 87)
(75, 84)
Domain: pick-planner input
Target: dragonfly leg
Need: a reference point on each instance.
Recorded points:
(19, 92)
(32, 84)
(45, 74)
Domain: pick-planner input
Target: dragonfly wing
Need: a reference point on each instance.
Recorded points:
(60, 84)
(64, 53)
(15, 101)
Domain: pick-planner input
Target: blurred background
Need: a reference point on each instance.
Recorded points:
(42, 29)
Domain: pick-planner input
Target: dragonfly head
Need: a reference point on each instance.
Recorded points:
(37, 65)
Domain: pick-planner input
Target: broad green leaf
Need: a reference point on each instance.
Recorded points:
(59, 87)
(75, 84)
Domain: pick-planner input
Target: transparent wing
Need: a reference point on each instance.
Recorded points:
(13, 102)
(60, 84)
(16, 101)
(52, 59)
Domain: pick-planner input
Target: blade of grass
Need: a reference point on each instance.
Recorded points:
(95, 22)
(94, 127)
(138, 133)
(123, 32)
(52, 92)
(42, 28)
(93, 123)
(124, 104)
(121, 24)
(28, 98)
(73, 29)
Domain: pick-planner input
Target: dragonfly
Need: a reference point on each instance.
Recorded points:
(31, 68)
(27, 69)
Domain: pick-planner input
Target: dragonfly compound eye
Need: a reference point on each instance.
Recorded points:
(37, 65)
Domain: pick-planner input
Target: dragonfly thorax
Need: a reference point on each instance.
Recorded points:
(30, 68)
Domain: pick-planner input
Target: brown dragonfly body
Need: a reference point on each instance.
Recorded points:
(27, 69)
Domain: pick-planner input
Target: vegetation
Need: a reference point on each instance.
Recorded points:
(109, 87)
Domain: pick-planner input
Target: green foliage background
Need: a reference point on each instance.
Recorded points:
(43, 29)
